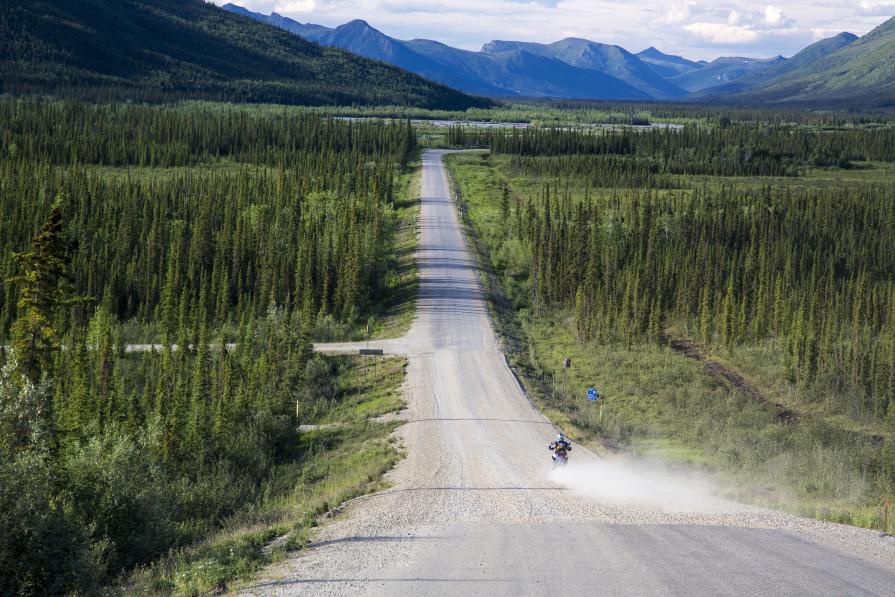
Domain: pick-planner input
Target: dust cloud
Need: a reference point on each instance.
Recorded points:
(635, 482)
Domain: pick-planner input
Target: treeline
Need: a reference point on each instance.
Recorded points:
(730, 266)
(599, 171)
(71, 132)
(728, 150)
(258, 227)
(299, 222)
(625, 112)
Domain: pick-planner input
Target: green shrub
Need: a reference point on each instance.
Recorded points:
(117, 491)
(42, 551)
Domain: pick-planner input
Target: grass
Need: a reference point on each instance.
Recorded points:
(660, 403)
(327, 466)
(368, 388)
(396, 311)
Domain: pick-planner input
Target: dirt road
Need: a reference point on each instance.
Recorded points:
(474, 508)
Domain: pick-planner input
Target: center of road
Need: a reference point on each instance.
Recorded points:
(474, 508)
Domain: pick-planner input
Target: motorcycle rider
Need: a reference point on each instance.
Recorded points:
(560, 447)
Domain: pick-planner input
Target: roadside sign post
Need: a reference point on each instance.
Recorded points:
(369, 333)
(594, 396)
(369, 352)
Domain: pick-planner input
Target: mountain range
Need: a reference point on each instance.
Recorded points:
(843, 69)
(182, 49)
(860, 73)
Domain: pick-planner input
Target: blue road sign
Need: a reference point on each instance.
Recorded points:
(592, 394)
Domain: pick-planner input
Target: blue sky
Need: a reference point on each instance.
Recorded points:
(696, 29)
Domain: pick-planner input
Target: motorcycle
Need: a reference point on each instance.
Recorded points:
(560, 458)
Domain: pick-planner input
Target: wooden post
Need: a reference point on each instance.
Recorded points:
(885, 516)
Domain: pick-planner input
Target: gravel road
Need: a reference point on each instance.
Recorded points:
(476, 510)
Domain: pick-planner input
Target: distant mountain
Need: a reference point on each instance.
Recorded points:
(860, 74)
(464, 70)
(840, 69)
(723, 70)
(173, 49)
(668, 65)
(359, 37)
(601, 58)
(520, 72)
(528, 74)
(501, 74)
(785, 68)
(306, 31)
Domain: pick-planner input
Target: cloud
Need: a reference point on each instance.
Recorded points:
(545, 3)
(399, 7)
(297, 6)
(749, 28)
(877, 8)
(774, 17)
(677, 13)
(722, 33)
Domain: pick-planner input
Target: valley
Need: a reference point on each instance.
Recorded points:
(288, 308)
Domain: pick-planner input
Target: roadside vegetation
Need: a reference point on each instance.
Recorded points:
(729, 288)
(730, 291)
(232, 238)
(342, 455)
(395, 307)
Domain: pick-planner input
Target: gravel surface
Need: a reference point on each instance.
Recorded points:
(476, 509)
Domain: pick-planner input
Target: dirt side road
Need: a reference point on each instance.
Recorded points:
(476, 510)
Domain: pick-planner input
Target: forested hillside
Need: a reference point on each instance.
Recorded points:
(814, 54)
(860, 73)
(667, 65)
(722, 71)
(764, 248)
(600, 58)
(178, 49)
(194, 227)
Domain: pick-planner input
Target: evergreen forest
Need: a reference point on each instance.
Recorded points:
(213, 240)
(759, 247)
(726, 280)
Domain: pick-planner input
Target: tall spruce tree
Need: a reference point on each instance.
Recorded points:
(44, 290)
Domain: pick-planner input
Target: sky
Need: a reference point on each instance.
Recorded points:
(693, 28)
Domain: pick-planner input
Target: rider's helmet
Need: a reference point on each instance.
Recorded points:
(560, 438)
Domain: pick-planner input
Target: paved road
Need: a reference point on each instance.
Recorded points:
(475, 509)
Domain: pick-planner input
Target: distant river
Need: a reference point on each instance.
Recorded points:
(483, 124)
